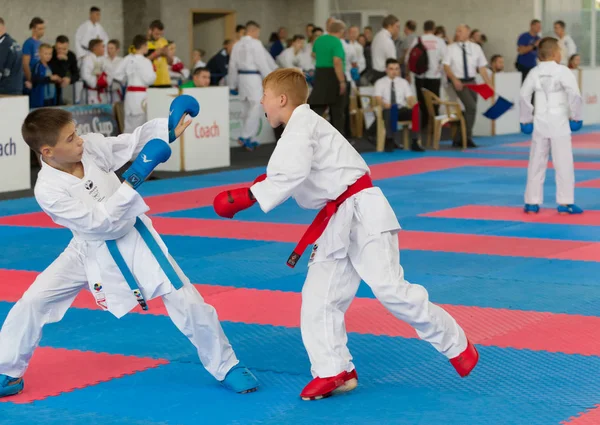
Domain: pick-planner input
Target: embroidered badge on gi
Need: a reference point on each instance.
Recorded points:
(97, 287)
(314, 252)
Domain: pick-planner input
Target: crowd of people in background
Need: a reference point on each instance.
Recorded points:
(336, 59)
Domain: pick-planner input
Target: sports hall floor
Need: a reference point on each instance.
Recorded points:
(525, 288)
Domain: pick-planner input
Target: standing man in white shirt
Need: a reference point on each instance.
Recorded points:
(383, 47)
(89, 30)
(462, 62)
(432, 78)
(565, 42)
(249, 63)
(395, 90)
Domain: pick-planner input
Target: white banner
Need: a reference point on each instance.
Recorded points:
(206, 141)
(590, 91)
(15, 172)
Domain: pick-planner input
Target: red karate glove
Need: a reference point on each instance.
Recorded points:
(229, 203)
(102, 82)
(177, 67)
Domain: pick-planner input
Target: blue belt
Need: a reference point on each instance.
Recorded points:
(161, 258)
(243, 71)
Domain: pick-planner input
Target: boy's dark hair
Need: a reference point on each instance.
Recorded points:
(252, 24)
(94, 9)
(200, 69)
(429, 26)
(560, 24)
(1, 21)
(494, 57)
(389, 20)
(138, 41)
(318, 29)
(391, 61)
(298, 37)
(535, 21)
(239, 28)
(93, 43)
(411, 25)
(116, 42)
(226, 42)
(62, 39)
(43, 126)
(35, 22)
(157, 24)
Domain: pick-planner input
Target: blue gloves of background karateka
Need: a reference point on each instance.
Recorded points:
(157, 151)
(527, 128)
(575, 125)
(181, 105)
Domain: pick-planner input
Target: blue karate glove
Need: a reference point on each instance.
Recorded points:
(154, 152)
(233, 92)
(527, 128)
(355, 74)
(181, 105)
(575, 125)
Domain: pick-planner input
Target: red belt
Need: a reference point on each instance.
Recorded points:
(136, 88)
(317, 227)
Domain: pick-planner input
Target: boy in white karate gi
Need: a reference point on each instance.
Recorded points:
(138, 73)
(94, 73)
(557, 112)
(115, 251)
(356, 233)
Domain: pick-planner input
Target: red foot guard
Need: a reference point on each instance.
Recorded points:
(320, 388)
(466, 361)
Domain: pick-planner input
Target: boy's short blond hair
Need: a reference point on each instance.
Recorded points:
(547, 47)
(288, 81)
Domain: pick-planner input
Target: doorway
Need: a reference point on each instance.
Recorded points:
(209, 28)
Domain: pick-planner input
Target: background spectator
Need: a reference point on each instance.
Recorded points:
(527, 48)
(31, 47)
(63, 64)
(11, 63)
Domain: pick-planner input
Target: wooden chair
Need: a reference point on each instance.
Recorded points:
(454, 115)
(356, 117)
(370, 104)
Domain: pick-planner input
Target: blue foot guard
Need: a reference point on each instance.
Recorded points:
(240, 380)
(10, 386)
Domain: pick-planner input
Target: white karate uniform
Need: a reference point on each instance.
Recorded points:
(359, 55)
(557, 99)
(116, 93)
(136, 71)
(313, 163)
(249, 54)
(290, 59)
(567, 49)
(85, 33)
(97, 208)
(91, 68)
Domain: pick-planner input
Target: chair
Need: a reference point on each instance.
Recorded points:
(370, 104)
(454, 115)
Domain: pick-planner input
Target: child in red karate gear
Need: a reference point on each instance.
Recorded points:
(356, 232)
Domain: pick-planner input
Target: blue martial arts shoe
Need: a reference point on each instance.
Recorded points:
(569, 209)
(531, 208)
(10, 386)
(240, 380)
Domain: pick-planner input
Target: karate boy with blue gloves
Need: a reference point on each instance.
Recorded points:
(115, 250)
(558, 111)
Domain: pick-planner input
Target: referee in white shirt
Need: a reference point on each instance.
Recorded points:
(462, 62)
(383, 47)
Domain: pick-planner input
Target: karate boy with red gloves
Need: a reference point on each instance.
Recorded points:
(115, 251)
(355, 231)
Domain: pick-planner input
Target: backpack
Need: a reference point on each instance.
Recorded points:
(418, 61)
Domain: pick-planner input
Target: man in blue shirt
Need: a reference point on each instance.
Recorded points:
(31, 47)
(11, 70)
(527, 47)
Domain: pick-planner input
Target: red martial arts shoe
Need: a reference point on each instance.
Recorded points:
(320, 388)
(466, 361)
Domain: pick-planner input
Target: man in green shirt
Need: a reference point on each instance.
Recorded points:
(329, 87)
(201, 78)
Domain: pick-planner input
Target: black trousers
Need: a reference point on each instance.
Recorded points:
(404, 114)
(433, 85)
(337, 112)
